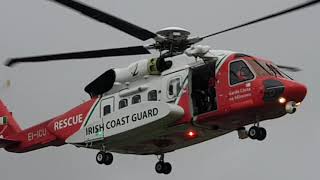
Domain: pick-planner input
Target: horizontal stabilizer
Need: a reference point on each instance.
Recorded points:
(7, 142)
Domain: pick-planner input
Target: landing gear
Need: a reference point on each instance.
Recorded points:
(104, 158)
(258, 133)
(242, 133)
(162, 167)
(262, 134)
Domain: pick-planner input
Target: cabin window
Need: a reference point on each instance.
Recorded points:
(152, 95)
(136, 99)
(123, 103)
(106, 106)
(106, 110)
(239, 72)
(174, 87)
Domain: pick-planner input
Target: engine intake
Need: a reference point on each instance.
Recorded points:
(133, 72)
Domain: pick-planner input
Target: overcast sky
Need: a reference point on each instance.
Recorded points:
(41, 91)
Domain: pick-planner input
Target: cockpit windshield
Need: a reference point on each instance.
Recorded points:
(284, 74)
(270, 69)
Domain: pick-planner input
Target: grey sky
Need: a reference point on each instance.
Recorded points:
(41, 91)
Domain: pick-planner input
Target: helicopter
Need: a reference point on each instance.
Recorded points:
(187, 95)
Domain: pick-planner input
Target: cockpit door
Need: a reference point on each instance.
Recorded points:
(107, 106)
(95, 129)
(241, 76)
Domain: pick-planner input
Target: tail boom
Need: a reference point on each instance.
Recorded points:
(52, 132)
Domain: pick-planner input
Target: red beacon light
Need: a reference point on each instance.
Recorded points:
(191, 133)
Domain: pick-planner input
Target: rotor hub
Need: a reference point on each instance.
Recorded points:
(174, 33)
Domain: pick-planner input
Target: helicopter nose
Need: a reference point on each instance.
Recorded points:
(284, 91)
(295, 91)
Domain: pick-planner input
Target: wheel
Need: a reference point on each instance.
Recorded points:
(167, 168)
(108, 159)
(254, 132)
(262, 134)
(160, 167)
(100, 158)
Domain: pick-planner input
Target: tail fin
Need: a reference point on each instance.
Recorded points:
(8, 125)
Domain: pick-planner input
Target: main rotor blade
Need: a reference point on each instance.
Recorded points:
(289, 68)
(109, 19)
(285, 11)
(135, 50)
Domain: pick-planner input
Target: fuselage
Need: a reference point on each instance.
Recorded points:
(189, 103)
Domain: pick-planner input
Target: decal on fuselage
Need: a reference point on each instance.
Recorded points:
(240, 93)
(37, 134)
(121, 121)
(67, 122)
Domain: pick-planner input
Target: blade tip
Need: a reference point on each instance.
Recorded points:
(9, 63)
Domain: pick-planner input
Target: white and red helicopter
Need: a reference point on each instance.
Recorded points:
(187, 95)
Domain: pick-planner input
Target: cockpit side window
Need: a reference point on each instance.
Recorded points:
(239, 72)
